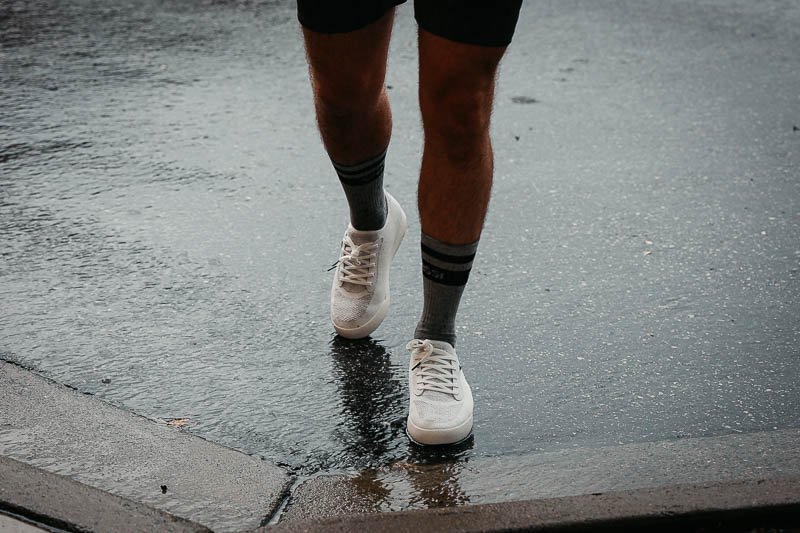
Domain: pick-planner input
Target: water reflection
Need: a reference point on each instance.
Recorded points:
(424, 479)
(434, 474)
(372, 396)
(372, 431)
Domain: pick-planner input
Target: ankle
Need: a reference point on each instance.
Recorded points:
(363, 186)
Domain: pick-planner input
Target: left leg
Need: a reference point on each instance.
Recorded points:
(460, 46)
(455, 92)
(456, 89)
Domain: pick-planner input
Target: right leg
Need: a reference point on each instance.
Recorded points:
(347, 68)
(347, 73)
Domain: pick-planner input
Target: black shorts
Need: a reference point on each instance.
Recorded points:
(481, 22)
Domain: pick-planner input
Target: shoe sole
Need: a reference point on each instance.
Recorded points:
(373, 323)
(439, 437)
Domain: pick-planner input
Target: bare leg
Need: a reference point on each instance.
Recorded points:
(456, 90)
(347, 75)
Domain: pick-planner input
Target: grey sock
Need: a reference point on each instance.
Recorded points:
(363, 186)
(445, 271)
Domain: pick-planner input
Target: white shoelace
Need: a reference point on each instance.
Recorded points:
(437, 370)
(357, 262)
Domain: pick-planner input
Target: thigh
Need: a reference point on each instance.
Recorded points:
(341, 16)
(452, 69)
(347, 64)
(476, 22)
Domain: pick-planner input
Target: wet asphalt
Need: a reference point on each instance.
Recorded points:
(168, 216)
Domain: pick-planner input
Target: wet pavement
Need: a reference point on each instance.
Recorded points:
(168, 216)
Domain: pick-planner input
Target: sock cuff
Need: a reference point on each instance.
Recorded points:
(361, 173)
(454, 253)
(448, 264)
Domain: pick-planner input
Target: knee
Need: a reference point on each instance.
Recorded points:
(342, 95)
(457, 115)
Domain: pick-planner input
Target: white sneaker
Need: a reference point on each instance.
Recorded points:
(360, 292)
(440, 408)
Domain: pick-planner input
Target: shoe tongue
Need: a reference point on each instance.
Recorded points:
(361, 237)
(443, 345)
(436, 395)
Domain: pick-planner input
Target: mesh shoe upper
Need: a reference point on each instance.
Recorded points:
(440, 405)
(360, 292)
(354, 283)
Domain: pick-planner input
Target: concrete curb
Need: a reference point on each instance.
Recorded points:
(726, 506)
(59, 502)
(64, 432)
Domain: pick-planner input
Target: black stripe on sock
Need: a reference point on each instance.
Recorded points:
(456, 259)
(445, 277)
(360, 178)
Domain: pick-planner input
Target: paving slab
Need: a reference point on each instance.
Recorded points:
(442, 483)
(738, 506)
(62, 431)
(9, 524)
(52, 501)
